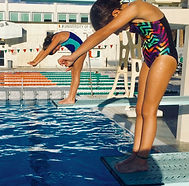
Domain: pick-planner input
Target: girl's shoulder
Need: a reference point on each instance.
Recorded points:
(146, 11)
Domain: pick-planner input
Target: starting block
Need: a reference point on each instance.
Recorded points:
(113, 102)
(169, 169)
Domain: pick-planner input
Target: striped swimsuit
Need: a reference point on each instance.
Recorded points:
(72, 43)
(156, 39)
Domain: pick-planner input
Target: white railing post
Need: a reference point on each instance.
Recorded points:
(183, 118)
(122, 70)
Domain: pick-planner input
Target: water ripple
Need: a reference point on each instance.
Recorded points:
(48, 146)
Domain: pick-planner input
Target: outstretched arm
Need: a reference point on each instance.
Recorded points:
(43, 53)
(125, 16)
(37, 59)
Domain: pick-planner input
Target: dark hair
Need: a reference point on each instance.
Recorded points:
(47, 41)
(101, 12)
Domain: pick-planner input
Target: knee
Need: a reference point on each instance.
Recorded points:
(149, 112)
(146, 111)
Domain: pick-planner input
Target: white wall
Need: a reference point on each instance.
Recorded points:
(177, 15)
(35, 34)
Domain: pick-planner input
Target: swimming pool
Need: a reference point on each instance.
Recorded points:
(43, 145)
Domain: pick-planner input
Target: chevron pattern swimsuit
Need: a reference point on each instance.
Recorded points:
(156, 39)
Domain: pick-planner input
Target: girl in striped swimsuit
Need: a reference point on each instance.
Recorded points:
(51, 45)
(160, 62)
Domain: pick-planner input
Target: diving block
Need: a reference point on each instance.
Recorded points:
(113, 102)
(164, 169)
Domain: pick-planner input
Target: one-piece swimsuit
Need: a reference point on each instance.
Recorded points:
(72, 43)
(156, 39)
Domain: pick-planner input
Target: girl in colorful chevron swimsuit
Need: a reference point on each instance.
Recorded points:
(160, 62)
(51, 45)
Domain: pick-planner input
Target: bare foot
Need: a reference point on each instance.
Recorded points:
(67, 101)
(130, 158)
(135, 165)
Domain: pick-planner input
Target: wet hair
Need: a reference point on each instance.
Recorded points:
(47, 41)
(101, 12)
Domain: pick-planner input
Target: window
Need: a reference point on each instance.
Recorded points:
(47, 17)
(1, 58)
(24, 17)
(13, 16)
(37, 17)
(72, 18)
(1, 16)
(61, 17)
(84, 18)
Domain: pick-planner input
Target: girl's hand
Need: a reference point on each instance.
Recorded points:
(68, 61)
(33, 63)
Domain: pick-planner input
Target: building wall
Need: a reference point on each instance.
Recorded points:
(7, 8)
(22, 50)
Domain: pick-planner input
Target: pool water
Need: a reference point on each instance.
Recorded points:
(42, 145)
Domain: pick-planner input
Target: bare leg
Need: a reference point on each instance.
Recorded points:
(156, 83)
(76, 70)
(139, 119)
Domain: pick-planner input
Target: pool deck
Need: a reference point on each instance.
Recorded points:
(165, 140)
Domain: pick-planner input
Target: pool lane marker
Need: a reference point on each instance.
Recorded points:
(113, 102)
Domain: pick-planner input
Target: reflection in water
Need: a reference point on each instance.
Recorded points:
(38, 162)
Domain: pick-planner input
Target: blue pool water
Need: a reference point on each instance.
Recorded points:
(41, 145)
